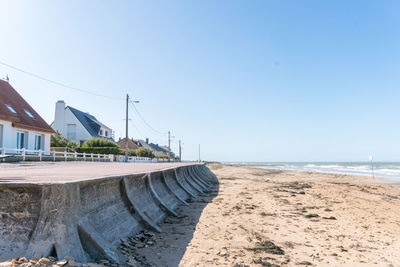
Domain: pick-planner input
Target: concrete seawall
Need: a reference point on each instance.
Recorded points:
(85, 219)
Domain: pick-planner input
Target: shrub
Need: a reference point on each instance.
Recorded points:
(144, 152)
(99, 150)
(99, 142)
(131, 152)
(56, 140)
(162, 156)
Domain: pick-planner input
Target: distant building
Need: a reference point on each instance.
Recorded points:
(20, 125)
(77, 125)
(131, 144)
(172, 154)
(155, 148)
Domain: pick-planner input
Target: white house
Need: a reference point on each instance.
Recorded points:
(77, 125)
(20, 125)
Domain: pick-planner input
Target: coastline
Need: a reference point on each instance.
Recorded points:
(263, 217)
(387, 170)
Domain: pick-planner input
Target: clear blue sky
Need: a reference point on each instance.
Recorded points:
(249, 80)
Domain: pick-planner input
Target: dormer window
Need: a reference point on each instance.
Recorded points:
(11, 109)
(29, 114)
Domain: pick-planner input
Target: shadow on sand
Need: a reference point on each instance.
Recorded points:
(171, 245)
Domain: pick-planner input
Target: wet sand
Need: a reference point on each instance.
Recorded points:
(284, 218)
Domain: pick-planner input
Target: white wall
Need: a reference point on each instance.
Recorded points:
(10, 137)
(103, 130)
(58, 124)
(81, 133)
(64, 116)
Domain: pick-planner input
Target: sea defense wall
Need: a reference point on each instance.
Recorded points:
(86, 219)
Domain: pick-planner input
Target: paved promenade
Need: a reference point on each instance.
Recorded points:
(60, 172)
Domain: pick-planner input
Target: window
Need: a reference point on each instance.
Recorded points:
(21, 140)
(106, 133)
(29, 114)
(101, 132)
(71, 131)
(1, 135)
(11, 109)
(39, 138)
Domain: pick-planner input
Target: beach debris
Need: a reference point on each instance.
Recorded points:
(329, 218)
(240, 265)
(264, 262)
(268, 247)
(129, 246)
(296, 185)
(68, 261)
(304, 263)
(311, 215)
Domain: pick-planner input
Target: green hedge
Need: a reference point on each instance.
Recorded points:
(99, 150)
(56, 140)
(131, 152)
(162, 156)
(144, 152)
(99, 142)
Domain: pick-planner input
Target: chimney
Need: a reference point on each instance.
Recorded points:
(59, 117)
(147, 140)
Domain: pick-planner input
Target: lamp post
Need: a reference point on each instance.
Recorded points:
(126, 127)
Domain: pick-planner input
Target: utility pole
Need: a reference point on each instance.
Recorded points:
(126, 133)
(169, 145)
(199, 154)
(180, 151)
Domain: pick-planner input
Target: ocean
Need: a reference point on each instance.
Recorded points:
(386, 170)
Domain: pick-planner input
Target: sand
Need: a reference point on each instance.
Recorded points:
(262, 217)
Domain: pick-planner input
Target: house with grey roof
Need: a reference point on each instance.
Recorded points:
(77, 125)
(155, 148)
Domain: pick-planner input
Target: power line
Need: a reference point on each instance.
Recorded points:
(140, 132)
(148, 125)
(84, 91)
(57, 83)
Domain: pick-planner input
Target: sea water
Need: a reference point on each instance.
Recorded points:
(387, 170)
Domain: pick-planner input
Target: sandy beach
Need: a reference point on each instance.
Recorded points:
(262, 217)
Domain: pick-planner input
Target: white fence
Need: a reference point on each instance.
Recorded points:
(55, 155)
(121, 158)
(26, 154)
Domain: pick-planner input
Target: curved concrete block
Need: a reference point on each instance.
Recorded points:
(180, 178)
(212, 176)
(160, 193)
(104, 217)
(203, 174)
(142, 202)
(203, 181)
(197, 180)
(172, 185)
(56, 232)
(189, 180)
